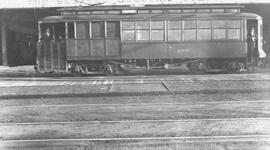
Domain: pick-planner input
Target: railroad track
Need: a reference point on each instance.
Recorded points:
(224, 114)
(218, 121)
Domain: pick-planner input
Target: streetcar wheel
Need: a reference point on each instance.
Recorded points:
(111, 69)
(198, 67)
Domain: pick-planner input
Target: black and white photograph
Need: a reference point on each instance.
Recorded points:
(134, 74)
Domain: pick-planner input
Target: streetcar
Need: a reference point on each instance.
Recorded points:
(111, 39)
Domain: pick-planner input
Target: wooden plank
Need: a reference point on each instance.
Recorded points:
(186, 143)
(146, 100)
(144, 111)
(139, 129)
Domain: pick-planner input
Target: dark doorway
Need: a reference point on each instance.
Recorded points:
(252, 42)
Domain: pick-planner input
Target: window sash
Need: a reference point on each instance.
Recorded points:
(98, 29)
(113, 29)
(189, 24)
(142, 25)
(219, 34)
(128, 25)
(234, 34)
(219, 24)
(142, 35)
(128, 35)
(174, 35)
(174, 24)
(157, 25)
(189, 35)
(82, 30)
(234, 24)
(204, 34)
(71, 30)
(157, 35)
(204, 24)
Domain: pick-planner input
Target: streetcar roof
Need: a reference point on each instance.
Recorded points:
(151, 7)
(149, 16)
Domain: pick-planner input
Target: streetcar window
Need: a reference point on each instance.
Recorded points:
(232, 10)
(219, 29)
(204, 30)
(142, 33)
(157, 24)
(174, 24)
(82, 30)
(189, 24)
(234, 34)
(234, 29)
(219, 23)
(143, 11)
(189, 32)
(71, 30)
(157, 30)
(68, 13)
(113, 11)
(218, 10)
(174, 30)
(83, 12)
(128, 25)
(128, 35)
(157, 11)
(234, 23)
(59, 29)
(188, 10)
(174, 11)
(128, 30)
(204, 24)
(98, 12)
(204, 34)
(203, 10)
(97, 29)
(142, 25)
(113, 29)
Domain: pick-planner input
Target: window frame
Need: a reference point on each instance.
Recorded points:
(69, 32)
(143, 29)
(234, 28)
(118, 23)
(128, 29)
(87, 34)
(219, 28)
(204, 28)
(189, 29)
(148, 29)
(157, 29)
(104, 30)
(174, 29)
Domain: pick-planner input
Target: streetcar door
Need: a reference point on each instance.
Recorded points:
(252, 41)
(51, 54)
(113, 38)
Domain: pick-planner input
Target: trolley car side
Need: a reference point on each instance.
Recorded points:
(109, 39)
